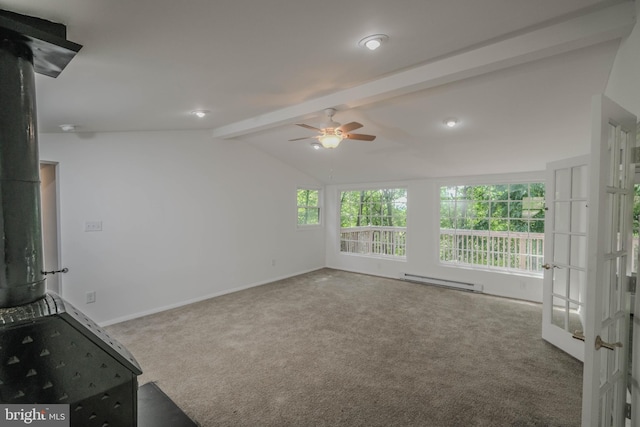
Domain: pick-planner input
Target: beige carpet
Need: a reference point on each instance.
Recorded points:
(335, 348)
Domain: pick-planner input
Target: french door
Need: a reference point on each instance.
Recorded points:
(606, 312)
(567, 190)
(589, 204)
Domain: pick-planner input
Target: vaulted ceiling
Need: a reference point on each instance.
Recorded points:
(518, 75)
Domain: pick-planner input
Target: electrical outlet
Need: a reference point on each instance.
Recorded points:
(91, 297)
(93, 226)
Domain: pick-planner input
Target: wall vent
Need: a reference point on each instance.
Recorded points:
(470, 287)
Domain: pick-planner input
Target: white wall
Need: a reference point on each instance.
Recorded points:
(423, 222)
(184, 217)
(624, 81)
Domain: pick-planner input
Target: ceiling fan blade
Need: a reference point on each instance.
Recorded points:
(300, 139)
(360, 137)
(349, 127)
(309, 127)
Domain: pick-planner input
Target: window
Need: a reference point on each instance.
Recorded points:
(374, 222)
(308, 207)
(493, 226)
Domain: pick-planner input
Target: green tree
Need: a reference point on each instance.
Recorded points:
(381, 208)
(308, 206)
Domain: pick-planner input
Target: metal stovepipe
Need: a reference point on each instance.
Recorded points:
(21, 259)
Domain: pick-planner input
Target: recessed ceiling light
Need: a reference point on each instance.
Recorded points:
(373, 44)
(374, 41)
(451, 122)
(68, 128)
(200, 113)
(316, 145)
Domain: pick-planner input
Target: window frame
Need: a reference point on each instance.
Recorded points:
(528, 179)
(359, 188)
(319, 207)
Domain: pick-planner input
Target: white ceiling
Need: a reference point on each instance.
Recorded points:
(261, 66)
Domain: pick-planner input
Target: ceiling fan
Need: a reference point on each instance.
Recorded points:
(332, 133)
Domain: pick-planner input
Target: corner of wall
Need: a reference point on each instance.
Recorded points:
(623, 85)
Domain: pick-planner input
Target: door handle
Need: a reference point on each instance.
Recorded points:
(579, 335)
(64, 270)
(608, 345)
(548, 266)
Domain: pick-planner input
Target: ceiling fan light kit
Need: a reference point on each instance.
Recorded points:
(330, 140)
(333, 133)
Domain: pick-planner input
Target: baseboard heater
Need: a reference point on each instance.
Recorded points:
(470, 287)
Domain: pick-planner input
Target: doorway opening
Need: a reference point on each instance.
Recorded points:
(50, 224)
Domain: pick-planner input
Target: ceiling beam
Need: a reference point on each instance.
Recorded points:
(596, 27)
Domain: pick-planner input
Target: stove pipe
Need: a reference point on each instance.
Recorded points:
(21, 263)
(27, 45)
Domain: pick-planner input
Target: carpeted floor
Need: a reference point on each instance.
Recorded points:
(332, 348)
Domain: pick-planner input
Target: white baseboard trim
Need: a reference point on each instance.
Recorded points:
(201, 298)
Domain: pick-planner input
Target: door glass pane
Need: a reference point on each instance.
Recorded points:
(561, 249)
(579, 217)
(604, 361)
(559, 314)
(613, 165)
(636, 217)
(617, 415)
(560, 280)
(608, 224)
(619, 221)
(619, 289)
(579, 182)
(617, 338)
(563, 184)
(579, 251)
(603, 405)
(622, 211)
(577, 289)
(606, 276)
(575, 323)
(562, 216)
(611, 286)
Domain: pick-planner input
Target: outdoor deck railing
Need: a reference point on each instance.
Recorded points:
(497, 249)
(372, 240)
